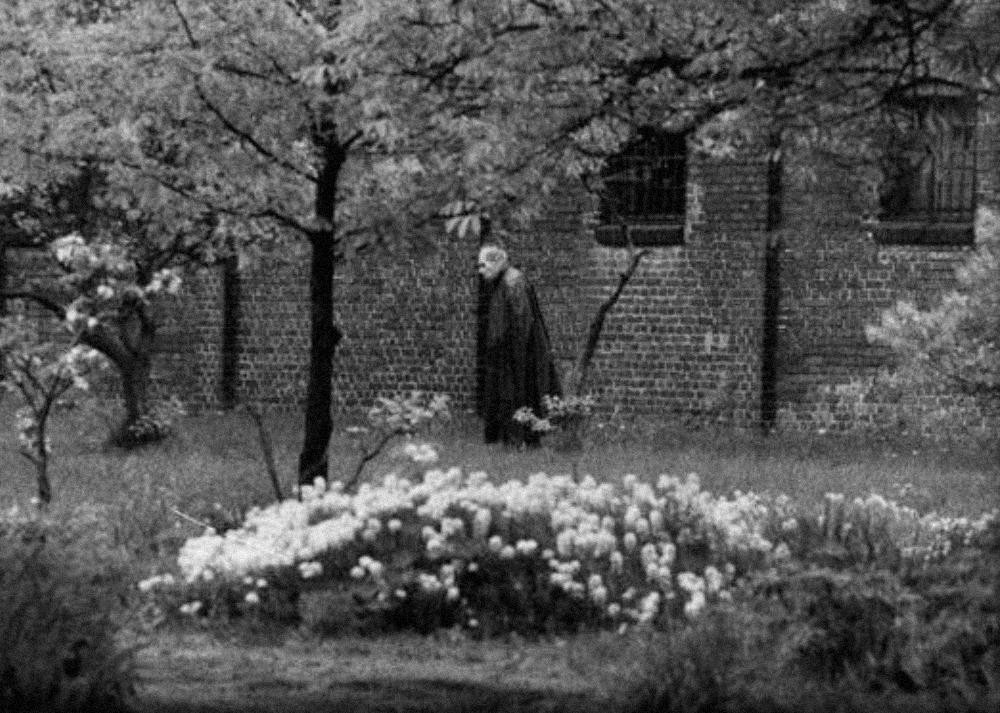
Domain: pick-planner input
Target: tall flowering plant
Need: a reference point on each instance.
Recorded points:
(567, 416)
(41, 373)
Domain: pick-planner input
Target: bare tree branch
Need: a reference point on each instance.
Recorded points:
(248, 138)
(39, 299)
(597, 325)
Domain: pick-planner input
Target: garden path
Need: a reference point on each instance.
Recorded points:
(193, 672)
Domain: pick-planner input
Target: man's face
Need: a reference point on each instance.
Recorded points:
(490, 264)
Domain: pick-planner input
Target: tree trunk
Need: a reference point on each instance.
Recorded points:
(134, 374)
(41, 459)
(42, 479)
(324, 335)
(129, 346)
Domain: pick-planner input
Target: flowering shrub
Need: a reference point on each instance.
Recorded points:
(401, 416)
(546, 554)
(406, 414)
(567, 415)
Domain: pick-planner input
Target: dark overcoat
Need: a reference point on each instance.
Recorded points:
(515, 367)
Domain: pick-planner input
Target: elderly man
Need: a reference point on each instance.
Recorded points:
(515, 366)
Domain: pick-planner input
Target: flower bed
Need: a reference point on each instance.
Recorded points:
(546, 554)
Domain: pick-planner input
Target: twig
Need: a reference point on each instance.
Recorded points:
(265, 446)
(368, 456)
(190, 519)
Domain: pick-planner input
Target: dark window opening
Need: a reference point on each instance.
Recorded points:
(928, 194)
(645, 187)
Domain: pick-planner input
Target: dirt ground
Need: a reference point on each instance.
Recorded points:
(193, 672)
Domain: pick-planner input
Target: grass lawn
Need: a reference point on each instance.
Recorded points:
(216, 460)
(212, 471)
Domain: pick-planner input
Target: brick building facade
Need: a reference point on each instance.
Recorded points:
(756, 316)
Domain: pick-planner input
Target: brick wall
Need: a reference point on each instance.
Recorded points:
(188, 357)
(686, 340)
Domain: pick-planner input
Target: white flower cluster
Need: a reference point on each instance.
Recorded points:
(557, 412)
(422, 453)
(103, 273)
(598, 540)
(404, 414)
(157, 580)
(921, 538)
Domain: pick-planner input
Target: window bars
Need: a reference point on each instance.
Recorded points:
(646, 183)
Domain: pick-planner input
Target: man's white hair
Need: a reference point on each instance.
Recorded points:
(492, 254)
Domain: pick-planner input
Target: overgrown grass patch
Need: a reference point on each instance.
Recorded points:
(216, 458)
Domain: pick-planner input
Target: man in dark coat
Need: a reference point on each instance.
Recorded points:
(514, 360)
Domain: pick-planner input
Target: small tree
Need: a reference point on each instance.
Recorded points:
(41, 373)
(957, 343)
(103, 294)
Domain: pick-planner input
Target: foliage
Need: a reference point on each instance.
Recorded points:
(62, 582)
(848, 633)
(41, 373)
(400, 416)
(955, 343)
(873, 592)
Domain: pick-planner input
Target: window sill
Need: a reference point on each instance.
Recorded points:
(904, 232)
(640, 235)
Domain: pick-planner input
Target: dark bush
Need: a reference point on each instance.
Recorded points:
(63, 588)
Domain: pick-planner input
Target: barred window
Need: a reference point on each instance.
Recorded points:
(928, 195)
(644, 192)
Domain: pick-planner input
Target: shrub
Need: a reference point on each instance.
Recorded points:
(62, 585)
(699, 667)
(957, 647)
(156, 425)
(837, 623)
(955, 343)
(888, 601)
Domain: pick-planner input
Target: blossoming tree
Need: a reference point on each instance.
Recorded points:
(41, 374)
(103, 297)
